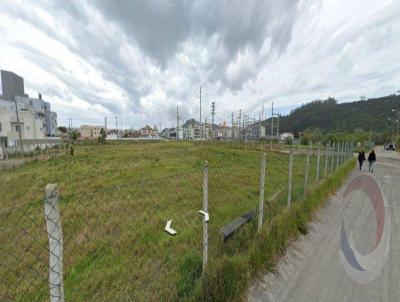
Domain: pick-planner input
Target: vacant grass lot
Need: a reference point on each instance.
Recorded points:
(115, 201)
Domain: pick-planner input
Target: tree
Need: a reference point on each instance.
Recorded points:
(102, 138)
(73, 135)
(62, 129)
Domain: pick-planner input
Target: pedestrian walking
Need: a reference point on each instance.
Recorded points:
(361, 158)
(371, 160)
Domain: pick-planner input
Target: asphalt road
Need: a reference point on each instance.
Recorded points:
(315, 267)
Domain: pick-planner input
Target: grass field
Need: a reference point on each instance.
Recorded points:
(115, 201)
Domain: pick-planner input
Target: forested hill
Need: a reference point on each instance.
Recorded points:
(329, 116)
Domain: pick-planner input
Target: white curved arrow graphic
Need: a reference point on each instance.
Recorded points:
(168, 228)
(205, 214)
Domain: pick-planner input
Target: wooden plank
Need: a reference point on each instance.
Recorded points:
(230, 229)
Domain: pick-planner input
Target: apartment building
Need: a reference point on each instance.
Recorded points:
(90, 132)
(37, 121)
(148, 131)
(32, 126)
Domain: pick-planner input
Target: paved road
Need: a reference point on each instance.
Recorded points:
(314, 267)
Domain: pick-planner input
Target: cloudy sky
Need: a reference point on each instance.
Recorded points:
(138, 60)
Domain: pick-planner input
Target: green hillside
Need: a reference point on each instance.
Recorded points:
(329, 116)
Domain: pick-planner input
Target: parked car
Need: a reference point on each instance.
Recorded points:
(390, 147)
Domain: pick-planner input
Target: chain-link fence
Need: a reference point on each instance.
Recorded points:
(146, 239)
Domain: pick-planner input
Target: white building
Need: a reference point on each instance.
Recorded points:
(286, 135)
(89, 132)
(32, 125)
(36, 119)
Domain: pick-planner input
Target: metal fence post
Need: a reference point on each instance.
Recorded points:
(348, 150)
(306, 172)
(318, 161)
(351, 150)
(343, 150)
(332, 156)
(262, 185)
(54, 230)
(289, 198)
(326, 160)
(205, 209)
(337, 155)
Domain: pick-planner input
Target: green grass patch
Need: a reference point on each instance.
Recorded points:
(115, 201)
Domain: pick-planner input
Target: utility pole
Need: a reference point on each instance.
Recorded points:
(232, 134)
(116, 125)
(277, 129)
(105, 125)
(212, 119)
(243, 125)
(239, 124)
(201, 134)
(70, 129)
(262, 113)
(19, 127)
(272, 121)
(177, 123)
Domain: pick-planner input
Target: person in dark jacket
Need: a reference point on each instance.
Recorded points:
(361, 158)
(371, 160)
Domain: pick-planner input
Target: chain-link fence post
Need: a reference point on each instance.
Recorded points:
(205, 209)
(326, 160)
(318, 161)
(289, 198)
(337, 155)
(54, 230)
(349, 151)
(262, 185)
(342, 153)
(306, 172)
(332, 156)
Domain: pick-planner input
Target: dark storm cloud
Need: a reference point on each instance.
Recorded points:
(157, 26)
(160, 27)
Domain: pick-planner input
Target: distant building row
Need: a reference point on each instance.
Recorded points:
(36, 119)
